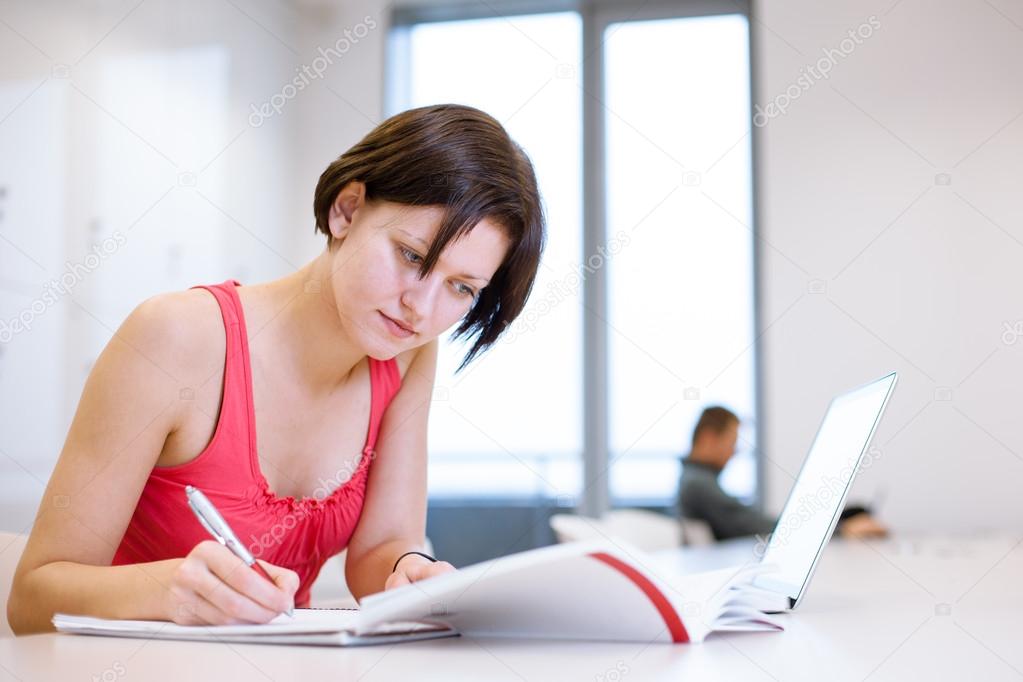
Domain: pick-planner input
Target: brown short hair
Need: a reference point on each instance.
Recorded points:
(716, 419)
(462, 159)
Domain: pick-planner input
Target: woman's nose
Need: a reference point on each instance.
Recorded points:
(419, 297)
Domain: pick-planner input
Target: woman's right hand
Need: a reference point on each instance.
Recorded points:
(211, 586)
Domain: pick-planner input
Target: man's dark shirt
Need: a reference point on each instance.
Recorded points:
(701, 497)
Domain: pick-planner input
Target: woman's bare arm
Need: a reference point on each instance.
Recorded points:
(127, 408)
(129, 405)
(393, 519)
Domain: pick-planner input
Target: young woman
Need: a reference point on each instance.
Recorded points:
(260, 396)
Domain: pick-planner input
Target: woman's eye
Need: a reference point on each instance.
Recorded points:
(414, 258)
(409, 255)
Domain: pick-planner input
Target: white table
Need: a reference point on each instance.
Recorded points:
(920, 609)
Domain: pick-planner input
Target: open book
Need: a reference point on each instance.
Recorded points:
(585, 590)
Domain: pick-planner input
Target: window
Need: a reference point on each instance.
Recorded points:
(680, 292)
(510, 424)
(674, 224)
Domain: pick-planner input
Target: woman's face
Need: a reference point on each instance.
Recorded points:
(381, 301)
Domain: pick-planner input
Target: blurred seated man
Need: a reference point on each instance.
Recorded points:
(702, 498)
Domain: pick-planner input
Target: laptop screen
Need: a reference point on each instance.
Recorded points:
(818, 496)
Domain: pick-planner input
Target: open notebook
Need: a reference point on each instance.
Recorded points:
(586, 590)
(323, 627)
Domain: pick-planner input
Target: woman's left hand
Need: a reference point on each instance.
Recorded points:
(413, 568)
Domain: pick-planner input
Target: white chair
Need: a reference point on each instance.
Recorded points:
(647, 530)
(11, 547)
(640, 528)
(696, 533)
(572, 527)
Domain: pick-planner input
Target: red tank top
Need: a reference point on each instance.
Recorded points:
(300, 534)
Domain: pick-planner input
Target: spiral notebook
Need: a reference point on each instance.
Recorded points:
(318, 627)
(583, 591)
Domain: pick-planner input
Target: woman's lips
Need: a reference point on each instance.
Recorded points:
(396, 328)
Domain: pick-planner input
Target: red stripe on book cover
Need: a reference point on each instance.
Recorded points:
(660, 602)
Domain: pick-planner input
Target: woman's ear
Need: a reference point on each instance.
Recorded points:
(351, 198)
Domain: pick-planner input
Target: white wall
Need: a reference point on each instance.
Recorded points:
(140, 121)
(919, 276)
(127, 121)
(343, 105)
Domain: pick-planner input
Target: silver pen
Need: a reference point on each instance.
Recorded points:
(212, 521)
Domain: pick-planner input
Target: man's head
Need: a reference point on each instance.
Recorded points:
(715, 436)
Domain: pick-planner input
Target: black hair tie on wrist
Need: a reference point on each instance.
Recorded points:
(425, 556)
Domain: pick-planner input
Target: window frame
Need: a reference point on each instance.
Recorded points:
(596, 16)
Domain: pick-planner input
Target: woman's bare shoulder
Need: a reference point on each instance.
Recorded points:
(181, 331)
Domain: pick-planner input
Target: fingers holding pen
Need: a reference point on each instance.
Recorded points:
(277, 596)
(213, 586)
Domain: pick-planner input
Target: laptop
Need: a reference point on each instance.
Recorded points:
(815, 504)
